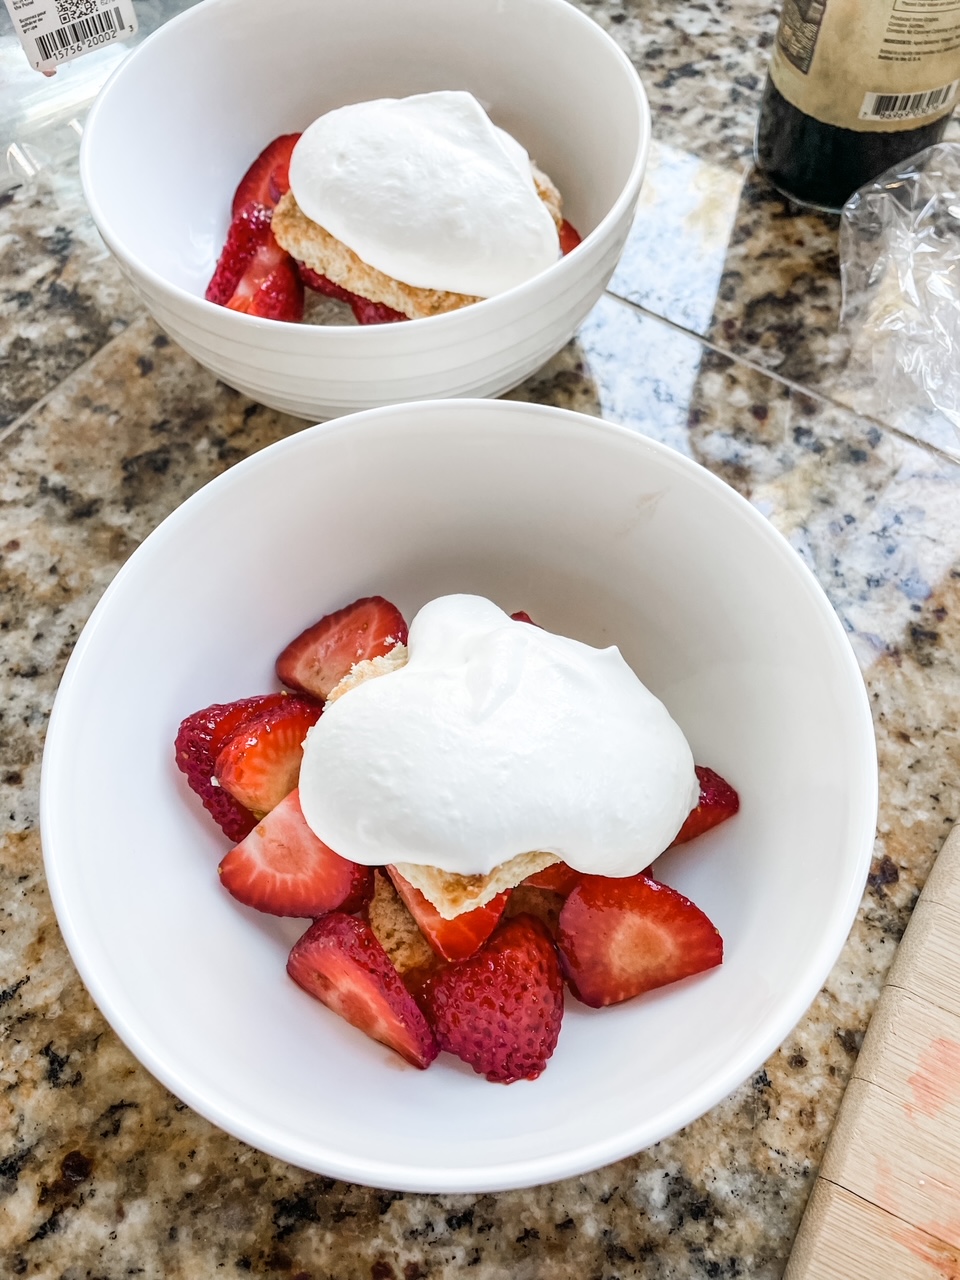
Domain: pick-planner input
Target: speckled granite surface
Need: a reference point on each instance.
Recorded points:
(726, 351)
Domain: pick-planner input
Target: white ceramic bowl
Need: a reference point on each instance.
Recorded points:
(181, 119)
(599, 534)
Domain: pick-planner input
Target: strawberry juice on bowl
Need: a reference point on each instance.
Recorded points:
(598, 534)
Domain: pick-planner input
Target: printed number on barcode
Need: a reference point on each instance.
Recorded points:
(100, 27)
(906, 106)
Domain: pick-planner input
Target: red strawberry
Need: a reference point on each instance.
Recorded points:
(321, 656)
(254, 274)
(339, 961)
(282, 868)
(268, 178)
(569, 237)
(248, 230)
(558, 877)
(520, 616)
(322, 284)
(500, 1010)
(621, 937)
(260, 763)
(197, 745)
(365, 311)
(718, 802)
(452, 939)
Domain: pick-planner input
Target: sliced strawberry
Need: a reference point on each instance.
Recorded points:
(718, 802)
(520, 616)
(365, 311)
(260, 763)
(197, 745)
(318, 659)
(321, 284)
(558, 877)
(247, 232)
(277, 295)
(452, 939)
(621, 937)
(339, 961)
(268, 178)
(569, 237)
(500, 1010)
(254, 274)
(282, 868)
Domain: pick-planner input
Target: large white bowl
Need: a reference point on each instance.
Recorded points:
(599, 534)
(182, 118)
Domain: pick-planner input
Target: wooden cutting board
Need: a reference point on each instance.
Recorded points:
(886, 1204)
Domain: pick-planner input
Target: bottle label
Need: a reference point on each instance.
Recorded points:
(56, 31)
(869, 66)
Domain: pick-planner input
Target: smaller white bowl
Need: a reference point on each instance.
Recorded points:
(599, 534)
(180, 120)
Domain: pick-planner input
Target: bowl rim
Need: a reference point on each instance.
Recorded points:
(201, 306)
(541, 1169)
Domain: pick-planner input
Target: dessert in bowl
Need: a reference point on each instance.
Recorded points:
(469, 811)
(600, 535)
(160, 168)
(399, 209)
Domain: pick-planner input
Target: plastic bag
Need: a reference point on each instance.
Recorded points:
(900, 271)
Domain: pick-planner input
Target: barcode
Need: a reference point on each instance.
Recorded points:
(906, 106)
(74, 33)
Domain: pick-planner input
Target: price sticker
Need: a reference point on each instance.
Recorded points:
(56, 31)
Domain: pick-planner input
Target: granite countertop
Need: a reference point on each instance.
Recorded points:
(718, 336)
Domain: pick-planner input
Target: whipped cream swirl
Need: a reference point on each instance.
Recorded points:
(498, 738)
(427, 190)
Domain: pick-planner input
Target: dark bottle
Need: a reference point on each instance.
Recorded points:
(854, 86)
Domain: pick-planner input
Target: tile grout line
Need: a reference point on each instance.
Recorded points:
(797, 387)
(22, 418)
(12, 427)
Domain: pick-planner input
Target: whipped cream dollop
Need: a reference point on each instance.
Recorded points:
(427, 190)
(498, 738)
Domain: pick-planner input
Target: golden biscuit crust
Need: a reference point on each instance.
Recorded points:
(396, 929)
(453, 894)
(322, 252)
(308, 242)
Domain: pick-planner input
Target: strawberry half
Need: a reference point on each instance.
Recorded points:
(340, 962)
(268, 178)
(198, 743)
(260, 763)
(318, 659)
(364, 310)
(284, 869)
(558, 877)
(718, 802)
(500, 1011)
(254, 274)
(621, 937)
(569, 237)
(454, 939)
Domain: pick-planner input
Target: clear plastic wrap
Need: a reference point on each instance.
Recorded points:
(900, 269)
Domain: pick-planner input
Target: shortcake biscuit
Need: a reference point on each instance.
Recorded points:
(323, 253)
(450, 893)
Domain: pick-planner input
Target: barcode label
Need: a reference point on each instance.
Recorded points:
(907, 106)
(54, 33)
(101, 24)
